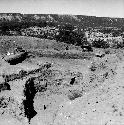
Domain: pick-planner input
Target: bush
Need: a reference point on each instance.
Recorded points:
(68, 35)
(100, 44)
(117, 44)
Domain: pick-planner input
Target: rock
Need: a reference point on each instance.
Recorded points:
(74, 94)
(15, 59)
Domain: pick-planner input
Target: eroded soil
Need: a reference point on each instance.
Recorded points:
(64, 91)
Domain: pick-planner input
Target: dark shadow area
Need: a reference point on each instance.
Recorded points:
(29, 93)
(17, 59)
(72, 81)
(4, 86)
(74, 95)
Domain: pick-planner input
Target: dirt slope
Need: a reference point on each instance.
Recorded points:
(66, 91)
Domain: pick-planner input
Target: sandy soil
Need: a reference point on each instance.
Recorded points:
(79, 91)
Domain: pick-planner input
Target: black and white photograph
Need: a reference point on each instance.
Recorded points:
(61, 62)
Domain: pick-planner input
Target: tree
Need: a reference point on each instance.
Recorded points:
(68, 34)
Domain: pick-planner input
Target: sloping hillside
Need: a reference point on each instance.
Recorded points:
(77, 20)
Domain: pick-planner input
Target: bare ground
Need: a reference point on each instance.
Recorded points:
(81, 89)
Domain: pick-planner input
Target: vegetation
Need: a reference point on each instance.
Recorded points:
(63, 28)
(100, 44)
(68, 35)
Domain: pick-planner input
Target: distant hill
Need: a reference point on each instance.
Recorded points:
(81, 21)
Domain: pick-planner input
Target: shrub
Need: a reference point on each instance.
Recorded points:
(117, 44)
(100, 44)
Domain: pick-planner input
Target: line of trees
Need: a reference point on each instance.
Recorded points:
(67, 33)
(17, 26)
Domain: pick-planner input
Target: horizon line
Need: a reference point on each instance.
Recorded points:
(60, 14)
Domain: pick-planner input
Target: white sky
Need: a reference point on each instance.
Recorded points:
(106, 8)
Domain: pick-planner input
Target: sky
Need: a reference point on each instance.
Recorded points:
(99, 8)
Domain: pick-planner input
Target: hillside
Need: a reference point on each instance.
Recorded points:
(71, 29)
(93, 87)
(77, 20)
(55, 82)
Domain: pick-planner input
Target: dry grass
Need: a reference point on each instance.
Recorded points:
(42, 47)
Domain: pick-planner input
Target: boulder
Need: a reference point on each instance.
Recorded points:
(17, 58)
